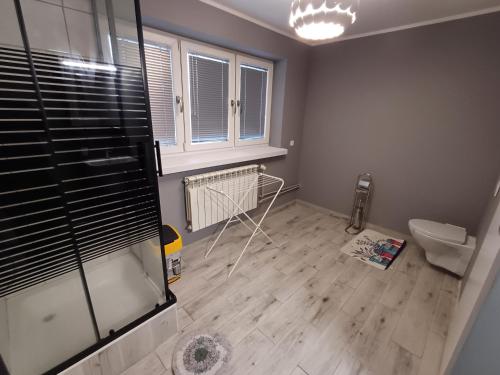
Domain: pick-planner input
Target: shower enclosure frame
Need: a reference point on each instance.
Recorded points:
(149, 157)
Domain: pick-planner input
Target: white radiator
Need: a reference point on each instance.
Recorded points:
(205, 207)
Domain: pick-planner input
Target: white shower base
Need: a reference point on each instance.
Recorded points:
(50, 322)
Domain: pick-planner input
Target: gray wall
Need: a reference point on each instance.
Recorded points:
(484, 225)
(417, 108)
(480, 352)
(472, 341)
(194, 19)
(4, 331)
(71, 27)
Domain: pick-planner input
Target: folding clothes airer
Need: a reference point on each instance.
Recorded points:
(235, 196)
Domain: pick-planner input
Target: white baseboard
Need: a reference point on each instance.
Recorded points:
(376, 227)
(322, 209)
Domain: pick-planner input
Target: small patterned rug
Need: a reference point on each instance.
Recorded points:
(374, 248)
(201, 354)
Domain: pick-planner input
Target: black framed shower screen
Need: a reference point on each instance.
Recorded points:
(77, 164)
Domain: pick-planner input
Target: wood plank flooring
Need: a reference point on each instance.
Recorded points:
(307, 309)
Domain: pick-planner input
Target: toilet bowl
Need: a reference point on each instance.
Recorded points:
(445, 245)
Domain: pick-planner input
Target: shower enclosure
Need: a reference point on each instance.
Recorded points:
(80, 222)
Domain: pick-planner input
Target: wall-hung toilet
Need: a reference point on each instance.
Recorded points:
(445, 245)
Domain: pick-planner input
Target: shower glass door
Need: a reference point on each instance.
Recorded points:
(80, 223)
(118, 217)
(44, 315)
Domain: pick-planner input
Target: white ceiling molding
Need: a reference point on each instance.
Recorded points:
(412, 25)
(292, 35)
(265, 25)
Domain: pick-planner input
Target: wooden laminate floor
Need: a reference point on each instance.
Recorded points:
(307, 309)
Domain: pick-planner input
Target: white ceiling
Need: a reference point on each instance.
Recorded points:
(374, 16)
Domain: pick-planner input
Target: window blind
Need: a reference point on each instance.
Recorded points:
(77, 181)
(159, 67)
(253, 92)
(209, 88)
(128, 52)
(33, 227)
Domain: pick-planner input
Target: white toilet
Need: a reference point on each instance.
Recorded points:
(445, 245)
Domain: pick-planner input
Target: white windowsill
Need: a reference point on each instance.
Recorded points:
(189, 161)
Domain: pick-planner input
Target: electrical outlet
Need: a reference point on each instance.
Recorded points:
(292, 143)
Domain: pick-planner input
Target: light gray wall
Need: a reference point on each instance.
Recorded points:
(467, 341)
(4, 331)
(9, 27)
(417, 108)
(194, 19)
(70, 29)
(480, 352)
(482, 232)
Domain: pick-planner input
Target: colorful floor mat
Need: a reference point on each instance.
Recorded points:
(374, 248)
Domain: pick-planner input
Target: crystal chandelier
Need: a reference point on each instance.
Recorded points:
(322, 19)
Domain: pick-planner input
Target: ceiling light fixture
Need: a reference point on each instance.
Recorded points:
(322, 19)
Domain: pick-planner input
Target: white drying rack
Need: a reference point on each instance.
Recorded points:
(237, 196)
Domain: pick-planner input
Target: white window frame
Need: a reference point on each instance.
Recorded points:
(189, 47)
(258, 63)
(162, 38)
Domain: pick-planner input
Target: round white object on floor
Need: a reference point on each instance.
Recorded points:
(201, 354)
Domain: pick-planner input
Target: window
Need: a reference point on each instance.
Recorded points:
(224, 99)
(254, 110)
(209, 96)
(165, 90)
